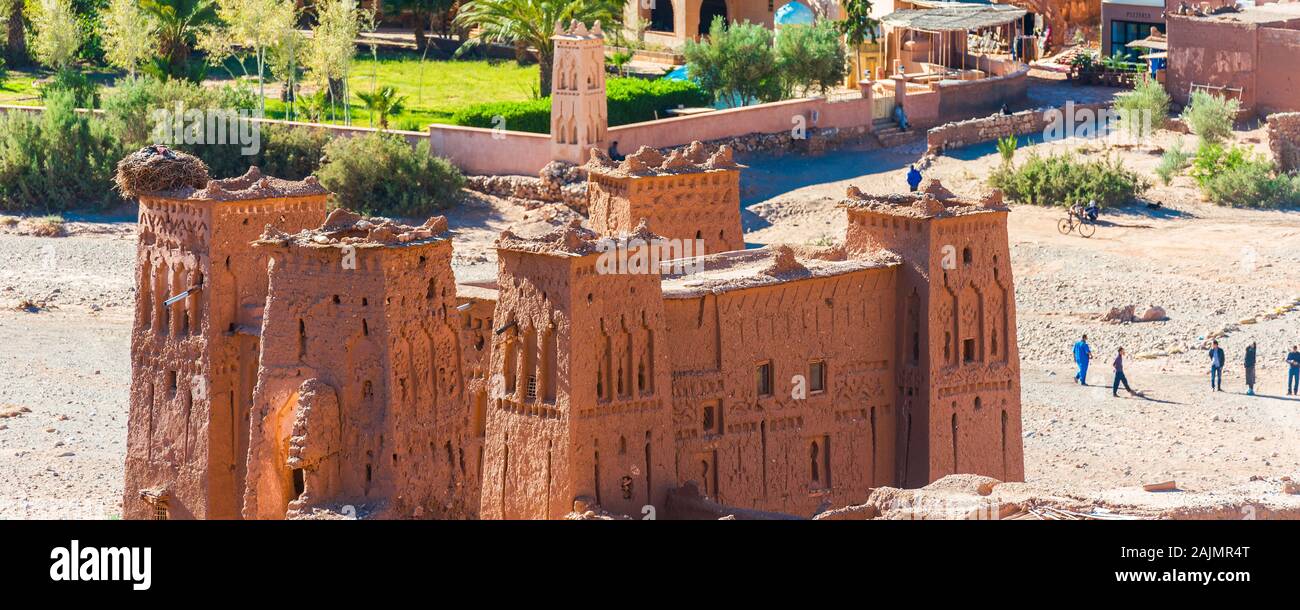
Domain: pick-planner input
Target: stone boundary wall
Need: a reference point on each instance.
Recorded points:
(983, 129)
(1284, 140)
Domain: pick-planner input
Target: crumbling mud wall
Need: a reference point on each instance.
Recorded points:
(361, 323)
(194, 362)
(686, 195)
(958, 365)
(1284, 140)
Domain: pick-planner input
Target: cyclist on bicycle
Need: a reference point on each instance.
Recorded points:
(1092, 210)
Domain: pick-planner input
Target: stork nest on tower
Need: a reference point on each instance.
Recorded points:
(158, 169)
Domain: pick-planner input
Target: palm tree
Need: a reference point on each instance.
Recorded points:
(384, 102)
(857, 26)
(532, 22)
(178, 22)
(16, 49)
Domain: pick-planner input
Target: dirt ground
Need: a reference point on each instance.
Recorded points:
(1215, 270)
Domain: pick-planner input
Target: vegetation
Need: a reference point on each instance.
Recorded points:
(56, 160)
(735, 64)
(631, 100)
(381, 173)
(385, 102)
(1210, 116)
(858, 25)
(179, 23)
(420, 11)
(1065, 180)
(128, 33)
(1145, 109)
(1174, 160)
(248, 31)
(531, 23)
(1234, 176)
(56, 36)
(1007, 149)
(810, 57)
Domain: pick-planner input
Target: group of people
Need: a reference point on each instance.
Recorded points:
(1083, 355)
(1218, 360)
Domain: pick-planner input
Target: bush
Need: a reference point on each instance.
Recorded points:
(1145, 109)
(1173, 161)
(381, 174)
(85, 94)
(1235, 177)
(56, 160)
(1007, 148)
(291, 152)
(630, 100)
(1064, 180)
(811, 57)
(735, 64)
(1210, 116)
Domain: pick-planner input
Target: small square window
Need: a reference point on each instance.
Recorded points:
(968, 350)
(764, 380)
(817, 376)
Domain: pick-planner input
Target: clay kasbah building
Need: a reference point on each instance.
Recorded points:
(318, 361)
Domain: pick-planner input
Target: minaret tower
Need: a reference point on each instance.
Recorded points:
(579, 115)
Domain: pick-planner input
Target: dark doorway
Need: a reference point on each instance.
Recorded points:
(708, 10)
(661, 16)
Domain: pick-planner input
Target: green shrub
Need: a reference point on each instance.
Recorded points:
(381, 174)
(811, 57)
(735, 64)
(1007, 148)
(1210, 116)
(1145, 109)
(1173, 161)
(630, 100)
(56, 160)
(291, 152)
(1064, 180)
(85, 93)
(1233, 176)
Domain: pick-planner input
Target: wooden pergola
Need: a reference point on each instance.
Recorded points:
(947, 22)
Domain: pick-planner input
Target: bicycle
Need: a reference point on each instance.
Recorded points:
(1076, 222)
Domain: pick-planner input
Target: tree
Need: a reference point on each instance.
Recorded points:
(332, 45)
(857, 26)
(179, 23)
(57, 35)
(735, 64)
(533, 22)
(249, 28)
(385, 102)
(810, 56)
(284, 58)
(16, 47)
(129, 35)
(422, 12)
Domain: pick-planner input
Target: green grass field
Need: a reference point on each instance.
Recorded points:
(434, 89)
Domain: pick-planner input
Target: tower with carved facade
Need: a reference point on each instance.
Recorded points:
(958, 367)
(579, 114)
(582, 407)
(200, 291)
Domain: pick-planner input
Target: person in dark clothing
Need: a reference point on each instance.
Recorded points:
(613, 151)
(1119, 375)
(1216, 366)
(1250, 369)
(913, 177)
(1293, 372)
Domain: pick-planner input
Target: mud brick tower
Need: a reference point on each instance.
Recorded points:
(958, 372)
(579, 113)
(688, 195)
(194, 361)
(582, 405)
(359, 375)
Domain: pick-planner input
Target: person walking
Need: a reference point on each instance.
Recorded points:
(1216, 366)
(913, 177)
(1293, 372)
(1250, 369)
(1082, 354)
(1119, 376)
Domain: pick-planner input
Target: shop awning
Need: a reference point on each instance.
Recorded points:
(1150, 42)
(954, 17)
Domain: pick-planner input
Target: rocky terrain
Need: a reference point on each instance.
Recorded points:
(65, 312)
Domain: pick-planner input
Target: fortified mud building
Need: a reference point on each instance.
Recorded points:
(322, 362)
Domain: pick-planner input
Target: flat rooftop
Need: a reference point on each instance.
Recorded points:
(767, 266)
(932, 200)
(347, 229)
(1258, 15)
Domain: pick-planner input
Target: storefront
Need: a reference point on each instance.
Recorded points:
(1127, 21)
